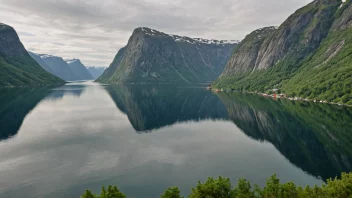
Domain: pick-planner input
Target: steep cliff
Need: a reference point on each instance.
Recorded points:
(155, 57)
(299, 56)
(327, 75)
(245, 54)
(17, 68)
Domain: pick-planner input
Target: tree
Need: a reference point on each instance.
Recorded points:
(88, 194)
(212, 188)
(173, 192)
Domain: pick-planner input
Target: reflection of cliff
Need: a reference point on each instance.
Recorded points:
(150, 107)
(316, 138)
(68, 89)
(15, 104)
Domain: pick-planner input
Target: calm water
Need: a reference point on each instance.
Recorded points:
(58, 142)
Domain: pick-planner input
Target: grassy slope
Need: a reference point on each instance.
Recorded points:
(301, 77)
(322, 79)
(24, 71)
(20, 69)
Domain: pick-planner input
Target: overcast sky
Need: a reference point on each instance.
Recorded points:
(94, 30)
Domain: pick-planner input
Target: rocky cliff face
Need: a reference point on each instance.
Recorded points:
(245, 54)
(155, 57)
(309, 43)
(79, 70)
(299, 35)
(17, 68)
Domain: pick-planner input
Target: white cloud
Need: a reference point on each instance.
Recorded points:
(94, 30)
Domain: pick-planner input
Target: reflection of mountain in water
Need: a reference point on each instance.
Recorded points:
(68, 89)
(150, 107)
(315, 137)
(15, 104)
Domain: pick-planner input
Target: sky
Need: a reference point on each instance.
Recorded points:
(94, 30)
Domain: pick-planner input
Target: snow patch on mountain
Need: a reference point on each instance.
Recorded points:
(184, 39)
(70, 61)
(44, 56)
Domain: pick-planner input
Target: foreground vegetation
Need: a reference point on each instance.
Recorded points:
(222, 188)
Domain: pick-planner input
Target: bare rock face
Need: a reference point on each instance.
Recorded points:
(308, 56)
(299, 35)
(245, 55)
(10, 43)
(155, 57)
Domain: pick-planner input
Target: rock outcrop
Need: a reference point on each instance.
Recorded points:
(307, 56)
(155, 57)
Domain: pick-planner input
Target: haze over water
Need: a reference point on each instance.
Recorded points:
(57, 142)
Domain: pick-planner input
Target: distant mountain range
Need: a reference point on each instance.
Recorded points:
(152, 56)
(17, 68)
(308, 56)
(79, 69)
(96, 71)
(69, 70)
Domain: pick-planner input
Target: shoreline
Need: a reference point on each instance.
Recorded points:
(285, 97)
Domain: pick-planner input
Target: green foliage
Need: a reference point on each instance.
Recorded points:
(88, 194)
(111, 192)
(222, 188)
(320, 70)
(173, 192)
(24, 71)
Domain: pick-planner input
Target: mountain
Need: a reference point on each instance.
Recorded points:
(59, 67)
(79, 69)
(69, 70)
(155, 57)
(17, 68)
(96, 71)
(307, 56)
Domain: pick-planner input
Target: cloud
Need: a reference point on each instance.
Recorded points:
(94, 30)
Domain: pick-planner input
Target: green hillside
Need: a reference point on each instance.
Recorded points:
(314, 62)
(17, 68)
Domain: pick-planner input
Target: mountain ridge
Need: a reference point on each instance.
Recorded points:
(69, 69)
(294, 57)
(152, 56)
(17, 68)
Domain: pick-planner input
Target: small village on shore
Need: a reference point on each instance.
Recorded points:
(274, 94)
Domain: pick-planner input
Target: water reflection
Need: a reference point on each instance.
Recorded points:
(83, 135)
(72, 89)
(150, 107)
(15, 104)
(314, 137)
